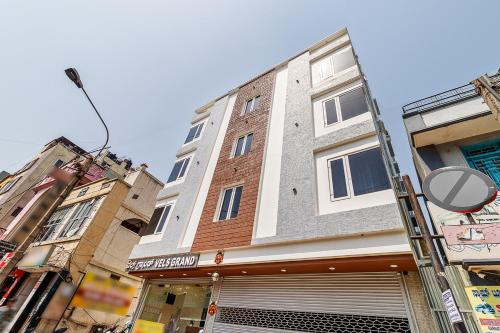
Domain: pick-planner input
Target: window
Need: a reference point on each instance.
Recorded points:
(7, 186)
(58, 163)
(54, 223)
(194, 132)
(163, 219)
(252, 104)
(485, 157)
(336, 63)
(179, 170)
(243, 145)
(345, 106)
(134, 226)
(82, 212)
(27, 165)
(357, 174)
(159, 219)
(16, 211)
(230, 203)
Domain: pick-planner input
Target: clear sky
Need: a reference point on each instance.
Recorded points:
(149, 64)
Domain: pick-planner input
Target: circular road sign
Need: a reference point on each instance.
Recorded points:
(459, 189)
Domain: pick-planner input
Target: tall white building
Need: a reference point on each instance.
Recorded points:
(290, 178)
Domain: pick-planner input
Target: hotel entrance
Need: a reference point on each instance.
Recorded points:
(176, 308)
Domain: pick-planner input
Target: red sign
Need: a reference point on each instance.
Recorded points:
(6, 259)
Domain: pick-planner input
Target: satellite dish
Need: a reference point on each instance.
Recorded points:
(459, 189)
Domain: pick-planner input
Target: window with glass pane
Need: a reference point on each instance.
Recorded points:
(54, 223)
(179, 170)
(368, 172)
(252, 104)
(243, 145)
(338, 179)
(353, 103)
(248, 143)
(230, 203)
(343, 60)
(194, 133)
(163, 219)
(331, 111)
(79, 217)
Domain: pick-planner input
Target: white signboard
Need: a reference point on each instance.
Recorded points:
(456, 253)
(451, 307)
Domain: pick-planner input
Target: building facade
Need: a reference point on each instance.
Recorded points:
(16, 190)
(280, 212)
(92, 232)
(458, 128)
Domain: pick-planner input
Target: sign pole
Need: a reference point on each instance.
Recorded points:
(448, 300)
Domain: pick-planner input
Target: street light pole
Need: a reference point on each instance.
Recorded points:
(73, 75)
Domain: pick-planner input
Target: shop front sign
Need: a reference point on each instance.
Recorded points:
(466, 241)
(145, 326)
(104, 294)
(485, 302)
(170, 262)
(35, 257)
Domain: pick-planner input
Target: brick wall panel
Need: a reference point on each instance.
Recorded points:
(245, 169)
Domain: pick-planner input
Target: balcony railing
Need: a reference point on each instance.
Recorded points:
(445, 98)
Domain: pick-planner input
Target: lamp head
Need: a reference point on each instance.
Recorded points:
(73, 75)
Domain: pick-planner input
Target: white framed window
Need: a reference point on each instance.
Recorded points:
(56, 220)
(252, 104)
(243, 145)
(344, 106)
(229, 203)
(10, 184)
(336, 63)
(195, 132)
(357, 174)
(179, 170)
(81, 214)
(163, 217)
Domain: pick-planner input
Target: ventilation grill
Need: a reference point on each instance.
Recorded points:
(311, 321)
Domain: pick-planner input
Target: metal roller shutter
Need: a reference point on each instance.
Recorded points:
(361, 302)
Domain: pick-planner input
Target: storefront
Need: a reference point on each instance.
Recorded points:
(179, 306)
(251, 300)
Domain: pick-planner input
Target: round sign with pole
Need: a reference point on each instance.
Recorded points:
(459, 189)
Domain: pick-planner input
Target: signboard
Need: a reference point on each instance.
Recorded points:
(145, 326)
(6, 247)
(6, 259)
(103, 294)
(451, 307)
(472, 234)
(459, 189)
(35, 257)
(177, 261)
(457, 229)
(485, 302)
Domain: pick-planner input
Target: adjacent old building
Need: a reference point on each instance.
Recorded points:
(459, 127)
(92, 232)
(281, 213)
(16, 189)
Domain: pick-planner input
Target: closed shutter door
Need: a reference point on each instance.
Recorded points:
(365, 302)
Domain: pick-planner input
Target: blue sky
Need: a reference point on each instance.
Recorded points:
(149, 64)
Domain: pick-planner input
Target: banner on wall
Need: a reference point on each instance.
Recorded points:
(145, 326)
(103, 294)
(485, 302)
(465, 241)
